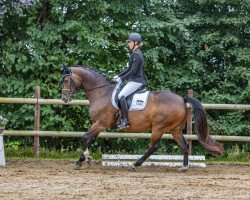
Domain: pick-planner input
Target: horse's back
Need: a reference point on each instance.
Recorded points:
(166, 97)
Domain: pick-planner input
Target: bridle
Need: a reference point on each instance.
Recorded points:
(73, 89)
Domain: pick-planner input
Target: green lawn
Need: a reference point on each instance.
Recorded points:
(233, 157)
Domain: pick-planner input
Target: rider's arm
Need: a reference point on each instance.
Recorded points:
(124, 72)
(128, 68)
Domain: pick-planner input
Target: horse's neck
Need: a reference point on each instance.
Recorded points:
(100, 94)
(96, 87)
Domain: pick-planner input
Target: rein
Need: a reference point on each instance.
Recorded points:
(99, 87)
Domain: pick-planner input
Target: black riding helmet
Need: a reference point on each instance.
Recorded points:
(135, 37)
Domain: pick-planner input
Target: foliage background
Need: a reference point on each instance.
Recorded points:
(201, 45)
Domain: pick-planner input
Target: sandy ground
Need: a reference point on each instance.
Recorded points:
(56, 179)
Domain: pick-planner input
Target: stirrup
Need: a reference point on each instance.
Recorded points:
(124, 124)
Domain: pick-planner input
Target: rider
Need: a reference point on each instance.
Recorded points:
(133, 76)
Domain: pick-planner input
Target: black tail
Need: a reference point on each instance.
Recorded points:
(201, 128)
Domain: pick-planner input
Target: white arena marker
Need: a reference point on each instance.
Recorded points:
(154, 160)
(2, 155)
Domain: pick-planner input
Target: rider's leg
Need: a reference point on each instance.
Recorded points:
(128, 89)
(124, 111)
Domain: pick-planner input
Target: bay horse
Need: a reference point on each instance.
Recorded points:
(165, 112)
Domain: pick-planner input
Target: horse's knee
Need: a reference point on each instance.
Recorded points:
(86, 138)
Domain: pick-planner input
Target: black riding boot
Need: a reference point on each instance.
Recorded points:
(124, 111)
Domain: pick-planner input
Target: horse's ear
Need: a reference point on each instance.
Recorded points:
(65, 69)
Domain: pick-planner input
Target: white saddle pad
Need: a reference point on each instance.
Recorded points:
(139, 101)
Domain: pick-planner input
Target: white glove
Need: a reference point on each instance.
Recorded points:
(119, 80)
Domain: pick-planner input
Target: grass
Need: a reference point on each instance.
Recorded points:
(46, 154)
(230, 159)
(233, 155)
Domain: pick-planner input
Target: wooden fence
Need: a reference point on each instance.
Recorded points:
(37, 101)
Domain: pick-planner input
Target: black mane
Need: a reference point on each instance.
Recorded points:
(97, 71)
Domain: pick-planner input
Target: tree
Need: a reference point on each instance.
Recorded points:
(200, 45)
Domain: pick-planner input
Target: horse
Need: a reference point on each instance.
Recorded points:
(165, 112)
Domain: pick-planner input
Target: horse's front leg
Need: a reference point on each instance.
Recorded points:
(86, 141)
(89, 137)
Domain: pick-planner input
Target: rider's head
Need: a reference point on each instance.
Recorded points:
(134, 41)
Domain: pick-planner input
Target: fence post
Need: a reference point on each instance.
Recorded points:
(189, 123)
(2, 155)
(37, 122)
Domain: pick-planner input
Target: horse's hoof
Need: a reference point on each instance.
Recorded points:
(183, 168)
(89, 161)
(77, 166)
(133, 168)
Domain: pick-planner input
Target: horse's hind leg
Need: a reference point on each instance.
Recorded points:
(153, 146)
(179, 138)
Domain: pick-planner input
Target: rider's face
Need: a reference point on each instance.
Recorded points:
(131, 44)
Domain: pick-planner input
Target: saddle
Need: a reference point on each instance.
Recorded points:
(135, 101)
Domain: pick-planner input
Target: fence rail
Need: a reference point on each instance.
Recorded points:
(40, 101)
(36, 133)
(116, 135)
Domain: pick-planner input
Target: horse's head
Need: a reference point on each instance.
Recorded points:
(70, 83)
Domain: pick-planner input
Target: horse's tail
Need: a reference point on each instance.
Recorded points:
(201, 128)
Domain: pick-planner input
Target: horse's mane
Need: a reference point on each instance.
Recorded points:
(96, 72)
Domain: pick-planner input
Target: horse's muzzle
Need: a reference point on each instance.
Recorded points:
(65, 100)
(66, 95)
